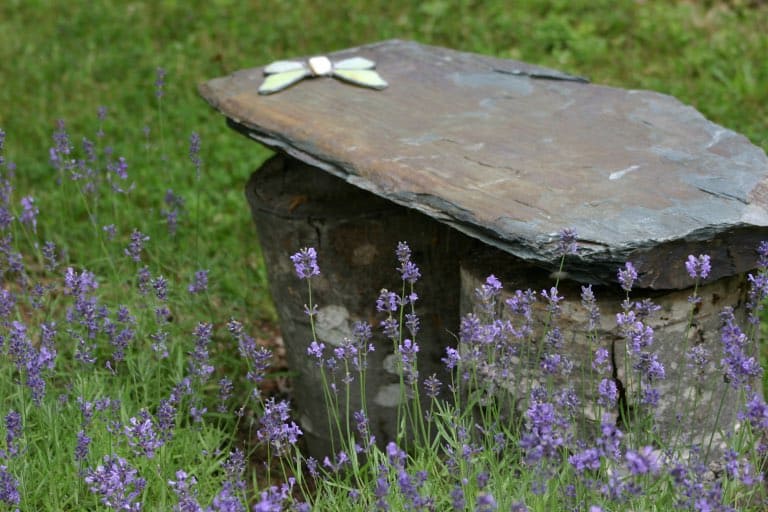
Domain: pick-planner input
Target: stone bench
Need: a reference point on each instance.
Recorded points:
(478, 162)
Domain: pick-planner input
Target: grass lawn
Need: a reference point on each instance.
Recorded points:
(64, 60)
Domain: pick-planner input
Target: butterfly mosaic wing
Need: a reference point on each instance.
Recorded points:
(279, 81)
(363, 77)
(355, 63)
(281, 66)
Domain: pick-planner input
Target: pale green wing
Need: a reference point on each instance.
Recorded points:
(279, 81)
(364, 77)
(281, 66)
(354, 63)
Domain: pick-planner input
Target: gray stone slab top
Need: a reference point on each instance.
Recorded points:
(511, 153)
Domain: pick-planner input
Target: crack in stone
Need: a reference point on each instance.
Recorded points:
(516, 172)
(622, 405)
(543, 75)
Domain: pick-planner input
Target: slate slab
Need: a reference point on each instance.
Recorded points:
(510, 153)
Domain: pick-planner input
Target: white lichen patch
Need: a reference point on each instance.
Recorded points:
(390, 364)
(306, 423)
(388, 396)
(333, 325)
(364, 254)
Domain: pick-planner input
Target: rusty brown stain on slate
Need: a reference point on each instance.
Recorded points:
(511, 153)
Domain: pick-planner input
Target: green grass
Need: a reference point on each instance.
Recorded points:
(62, 60)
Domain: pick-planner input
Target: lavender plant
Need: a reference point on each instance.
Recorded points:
(109, 377)
(127, 392)
(480, 456)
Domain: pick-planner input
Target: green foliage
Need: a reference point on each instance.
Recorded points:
(62, 60)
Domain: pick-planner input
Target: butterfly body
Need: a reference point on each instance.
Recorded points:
(356, 70)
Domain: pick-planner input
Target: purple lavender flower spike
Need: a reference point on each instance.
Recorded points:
(387, 301)
(276, 429)
(627, 276)
(698, 267)
(391, 328)
(762, 255)
(408, 351)
(486, 503)
(412, 323)
(60, 154)
(110, 231)
(381, 491)
(194, 151)
(639, 335)
(396, 456)
(197, 413)
(756, 412)
(458, 502)
(184, 489)
(553, 364)
(403, 252)
(521, 303)
(166, 418)
(199, 362)
(49, 255)
(225, 393)
(234, 467)
(452, 358)
(119, 168)
(117, 483)
(608, 393)
(642, 462)
(739, 468)
(160, 285)
(408, 270)
(315, 350)
(12, 434)
(141, 435)
(567, 242)
(305, 263)
(20, 349)
(174, 206)
(9, 488)
(432, 386)
(227, 500)
(159, 345)
(739, 367)
(83, 446)
(553, 300)
(143, 280)
(645, 308)
(756, 295)
(258, 357)
(160, 82)
(543, 437)
(610, 440)
(29, 212)
(602, 361)
(486, 294)
(7, 306)
(200, 283)
(134, 249)
(590, 304)
(588, 459)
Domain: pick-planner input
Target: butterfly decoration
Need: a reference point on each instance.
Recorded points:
(284, 73)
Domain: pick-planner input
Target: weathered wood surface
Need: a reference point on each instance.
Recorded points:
(511, 153)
